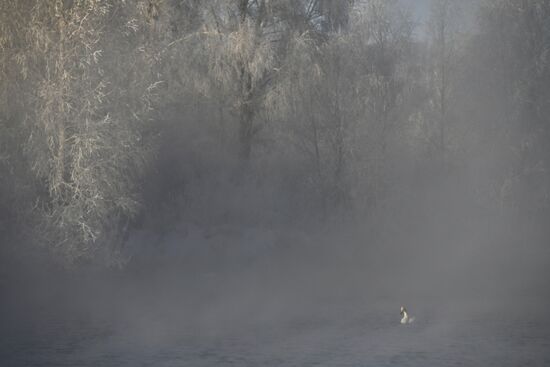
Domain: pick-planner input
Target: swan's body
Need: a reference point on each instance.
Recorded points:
(405, 318)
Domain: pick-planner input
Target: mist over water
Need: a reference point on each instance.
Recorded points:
(268, 185)
(283, 298)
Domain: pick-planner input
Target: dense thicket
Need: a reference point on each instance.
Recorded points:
(117, 115)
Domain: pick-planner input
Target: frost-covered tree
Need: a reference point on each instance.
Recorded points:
(239, 44)
(343, 97)
(86, 120)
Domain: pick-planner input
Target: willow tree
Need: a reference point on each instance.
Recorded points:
(239, 44)
(85, 130)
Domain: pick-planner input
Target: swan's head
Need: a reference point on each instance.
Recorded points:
(402, 309)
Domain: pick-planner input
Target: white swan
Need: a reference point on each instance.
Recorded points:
(405, 318)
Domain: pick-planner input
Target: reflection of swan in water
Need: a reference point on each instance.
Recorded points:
(405, 318)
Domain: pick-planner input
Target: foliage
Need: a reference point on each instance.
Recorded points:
(260, 111)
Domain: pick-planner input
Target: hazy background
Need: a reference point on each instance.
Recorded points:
(266, 183)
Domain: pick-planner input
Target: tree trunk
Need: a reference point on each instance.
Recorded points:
(246, 133)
